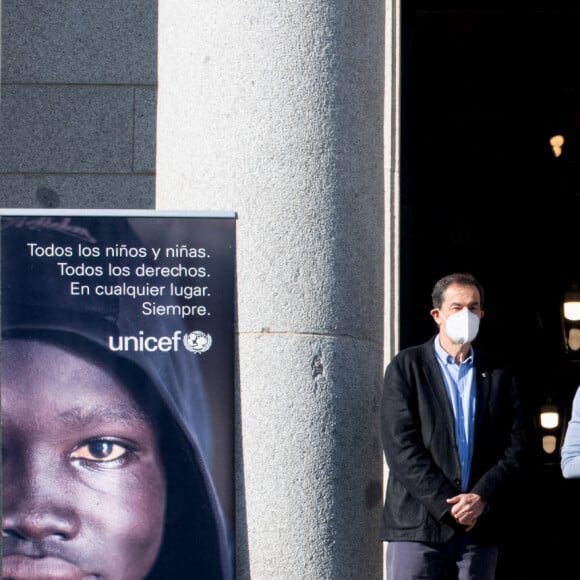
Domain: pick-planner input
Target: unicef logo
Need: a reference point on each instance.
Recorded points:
(197, 341)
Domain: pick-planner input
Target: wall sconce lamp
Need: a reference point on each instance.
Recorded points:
(571, 320)
(549, 420)
(557, 143)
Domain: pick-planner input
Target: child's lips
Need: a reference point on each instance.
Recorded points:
(25, 568)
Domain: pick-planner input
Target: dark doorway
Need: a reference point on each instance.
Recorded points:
(484, 87)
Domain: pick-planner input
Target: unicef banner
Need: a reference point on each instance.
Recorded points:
(117, 395)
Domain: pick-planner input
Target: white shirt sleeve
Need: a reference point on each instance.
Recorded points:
(570, 454)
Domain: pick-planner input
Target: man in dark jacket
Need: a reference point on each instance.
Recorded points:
(453, 440)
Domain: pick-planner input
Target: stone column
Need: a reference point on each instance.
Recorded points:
(276, 110)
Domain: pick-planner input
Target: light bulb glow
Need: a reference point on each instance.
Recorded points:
(572, 310)
(557, 142)
(549, 420)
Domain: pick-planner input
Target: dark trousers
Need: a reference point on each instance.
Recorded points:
(457, 559)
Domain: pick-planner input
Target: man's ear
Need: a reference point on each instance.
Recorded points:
(434, 312)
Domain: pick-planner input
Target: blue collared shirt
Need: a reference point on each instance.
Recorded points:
(459, 380)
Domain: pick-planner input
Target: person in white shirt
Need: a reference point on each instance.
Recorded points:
(570, 453)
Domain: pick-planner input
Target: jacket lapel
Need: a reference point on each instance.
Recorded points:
(433, 372)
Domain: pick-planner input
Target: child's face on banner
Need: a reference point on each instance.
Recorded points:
(83, 481)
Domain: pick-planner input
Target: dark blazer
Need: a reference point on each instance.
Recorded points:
(419, 445)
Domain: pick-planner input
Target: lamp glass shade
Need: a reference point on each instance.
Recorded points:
(572, 310)
(549, 419)
(549, 444)
(574, 339)
(549, 416)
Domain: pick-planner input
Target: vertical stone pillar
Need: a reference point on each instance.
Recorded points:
(276, 110)
(392, 178)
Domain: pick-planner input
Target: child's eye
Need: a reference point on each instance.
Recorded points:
(100, 450)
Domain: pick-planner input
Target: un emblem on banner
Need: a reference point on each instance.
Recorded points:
(197, 341)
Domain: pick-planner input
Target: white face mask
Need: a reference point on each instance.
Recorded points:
(462, 326)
